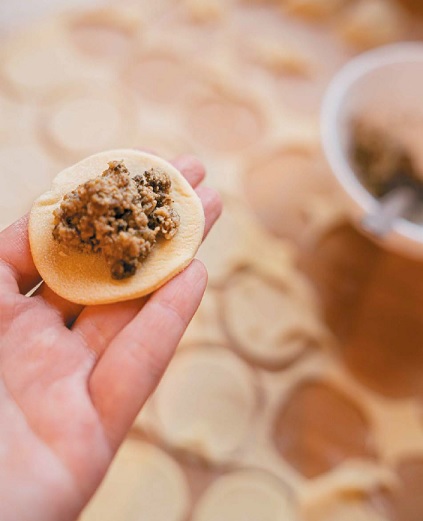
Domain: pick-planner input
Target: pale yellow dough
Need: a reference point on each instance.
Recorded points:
(85, 278)
(142, 483)
(245, 495)
(205, 402)
(268, 325)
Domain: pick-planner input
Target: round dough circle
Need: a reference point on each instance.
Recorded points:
(28, 174)
(205, 402)
(268, 324)
(282, 200)
(37, 68)
(100, 39)
(225, 248)
(40, 61)
(84, 124)
(161, 78)
(242, 495)
(225, 125)
(85, 278)
(142, 483)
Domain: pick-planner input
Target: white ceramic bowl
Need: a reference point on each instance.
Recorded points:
(392, 74)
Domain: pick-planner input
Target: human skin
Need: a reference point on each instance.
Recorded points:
(73, 378)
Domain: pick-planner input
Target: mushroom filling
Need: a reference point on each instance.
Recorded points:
(383, 162)
(117, 215)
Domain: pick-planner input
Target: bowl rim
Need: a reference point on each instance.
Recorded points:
(333, 101)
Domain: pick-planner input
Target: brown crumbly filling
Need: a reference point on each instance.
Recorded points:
(118, 216)
(381, 162)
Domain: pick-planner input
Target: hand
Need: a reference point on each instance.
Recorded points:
(73, 379)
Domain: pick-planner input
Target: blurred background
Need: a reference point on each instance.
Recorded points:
(297, 391)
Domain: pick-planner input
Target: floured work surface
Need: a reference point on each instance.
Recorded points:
(282, 403)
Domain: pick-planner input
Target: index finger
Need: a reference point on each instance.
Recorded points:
(191, 168)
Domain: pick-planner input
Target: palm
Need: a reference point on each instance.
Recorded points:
(72, 379)
(50, 418)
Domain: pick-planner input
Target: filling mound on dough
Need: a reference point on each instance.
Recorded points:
(119, 216)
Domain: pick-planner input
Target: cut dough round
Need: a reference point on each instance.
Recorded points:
(41, 61)
(226, 246)
(102, 122)
(206, 401)
(142, 483)
(85, 278)
(81, 120)
(245, 495)
(269, 325)
(162, 78)
(104, 33)
(283, 201)
(225, 124)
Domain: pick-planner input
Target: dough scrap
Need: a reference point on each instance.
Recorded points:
(85, 278)
(205, 402)
(245, 495)
(142, 483)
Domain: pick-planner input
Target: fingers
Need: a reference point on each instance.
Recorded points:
(134, 362)
(98, 325)
(191, 168)
(67, 310)
(17, 269)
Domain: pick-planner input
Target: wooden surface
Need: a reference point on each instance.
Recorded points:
(373, 300)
